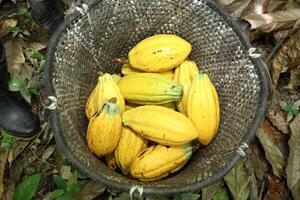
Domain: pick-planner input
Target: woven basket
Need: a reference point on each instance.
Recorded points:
(87, 43)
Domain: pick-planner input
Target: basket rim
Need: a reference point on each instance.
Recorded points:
(55, 122)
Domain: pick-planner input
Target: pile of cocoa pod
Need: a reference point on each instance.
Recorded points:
(144, 120)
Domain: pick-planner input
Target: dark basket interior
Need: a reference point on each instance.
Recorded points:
(79, 51)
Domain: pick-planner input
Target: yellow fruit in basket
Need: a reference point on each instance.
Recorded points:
(128, 70)
(89, 107)
(160, 124)
(157, 162)
(159, 53)
(149, 88)
(110, 161)
(106, 88)
(104, 129)
(203, 108)
(184, 74)
(130, 145)
(116, 78)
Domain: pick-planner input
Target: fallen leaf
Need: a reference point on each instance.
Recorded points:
(258, 160)
(272, 151)
(3, 156)
(186, 196)
(238, 181)
(294, 82)
(6, 26)
(237, 8)
(238, 12)
(90, 189)
(16, 150)
(37, 46)
(276, 188)
(293, 164)
(209, 192)
(14, 55)
(278, 120)
(157, 197)
(274, 6)
(288, 56)
(269, 22)
(226, 2)
(65, 172)
(48, 152)
(222, 195)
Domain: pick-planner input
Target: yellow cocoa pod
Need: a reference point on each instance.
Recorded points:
(106, 88)
(160, 124)
(203, 108)
(149, 88)
(184, 74)
(89, 107)
(116, 78)
(104, 129)
(130, 145)
(128, 70)
(110, 161)
(157, 162)
(159, 53)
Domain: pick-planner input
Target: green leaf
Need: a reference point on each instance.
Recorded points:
(7, 140)
(73, 187)
(15, 31)
(222, 195)
(27, 188)
(26, 94)
(290, 116)
(16, 84)
(238, 181)
(67, 196)
(209, 192)
(59, 182)
(56, 193)
(186, 196)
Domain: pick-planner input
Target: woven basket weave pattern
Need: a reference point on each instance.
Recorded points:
(85, 50)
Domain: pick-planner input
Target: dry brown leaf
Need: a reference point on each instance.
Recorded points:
(6, 26)
(16, 149)
(238, 181)
(37, 46)
(276, 188)
(3, 156)
(278, 120)
(293, 164)
(294, 82)
(238, 8)
(209, 192)
(15, 56)
(258, 160)
(269, 22)
(272, 150)
(90, 190)
(275, 5)
(226, 2)
(288, 56)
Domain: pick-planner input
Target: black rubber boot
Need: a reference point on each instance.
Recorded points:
(47, 13)
(16, 117)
